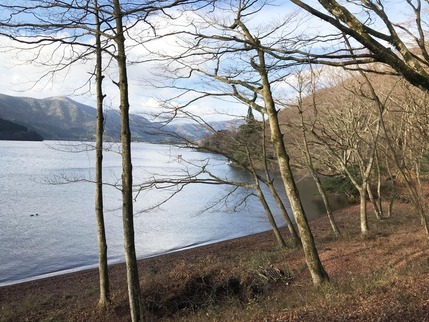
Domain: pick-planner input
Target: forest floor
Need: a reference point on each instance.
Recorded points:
(384, 277)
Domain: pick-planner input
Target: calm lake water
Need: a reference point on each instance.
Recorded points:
(48, 228)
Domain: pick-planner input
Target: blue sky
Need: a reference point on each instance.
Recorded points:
(21, 78)
(25, 68)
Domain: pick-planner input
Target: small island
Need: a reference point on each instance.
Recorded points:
(15, 132)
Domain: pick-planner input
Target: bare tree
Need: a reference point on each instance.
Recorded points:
(251, 142)
(127, 176)
(37, 34)
(306, 85)
(53, 27)
(406, 137)
(401, 45)
(210, 54)
(99, 208)
(349, 132)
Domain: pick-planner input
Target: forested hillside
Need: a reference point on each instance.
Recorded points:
(16, 132)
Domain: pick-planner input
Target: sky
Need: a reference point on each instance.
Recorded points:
(22, 75)
(21, 78)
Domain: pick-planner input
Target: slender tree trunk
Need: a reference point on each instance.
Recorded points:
(101, 231)
(392, 197)
(314, 264)
(416, 200)
(379, 192)
(294, 235)
(392, 189)
(270, 216)
(263, 201)
(319, 184)
(310, 164)
(317, 271)
(424, 221)
(373, 202)
(328, 208)
(363, 212)
(423, 204)
(134, 293)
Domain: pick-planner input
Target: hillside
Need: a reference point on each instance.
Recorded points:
(61, 118)
(16, 132)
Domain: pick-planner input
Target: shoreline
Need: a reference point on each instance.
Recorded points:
(382, 275)
(91, 267)
(194, 251)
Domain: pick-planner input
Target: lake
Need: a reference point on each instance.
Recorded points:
(48, 227)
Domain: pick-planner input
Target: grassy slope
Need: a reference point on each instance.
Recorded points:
(382, 278)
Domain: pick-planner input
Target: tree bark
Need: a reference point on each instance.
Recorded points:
(134, 293)
(374, 203)
(101, 231)
(317, 271)
(271, 219)
(269, 182)
(328, 208)
(363, 212)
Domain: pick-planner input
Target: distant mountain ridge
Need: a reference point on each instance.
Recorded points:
(61, 118)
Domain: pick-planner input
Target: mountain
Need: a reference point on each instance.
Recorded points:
(16, 132)
(61, 118)
(194, 131)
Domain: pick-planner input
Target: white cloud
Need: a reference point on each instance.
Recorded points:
(20, 78)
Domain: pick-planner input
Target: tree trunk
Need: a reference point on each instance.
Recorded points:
(311, 168)
(379, 192)
(374, 203)
(363, 213)
(270, 216)
(392, 190)
(294, 235)
(317, 271)
(269, 182)
(328, 208)
(101, 231)
(136, 309)
(262, 199)
(422, 202)
(392, 196)
(424, 222)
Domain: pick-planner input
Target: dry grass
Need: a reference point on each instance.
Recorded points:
(380, 278)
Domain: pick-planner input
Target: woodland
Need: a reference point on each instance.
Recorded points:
(332, 90)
